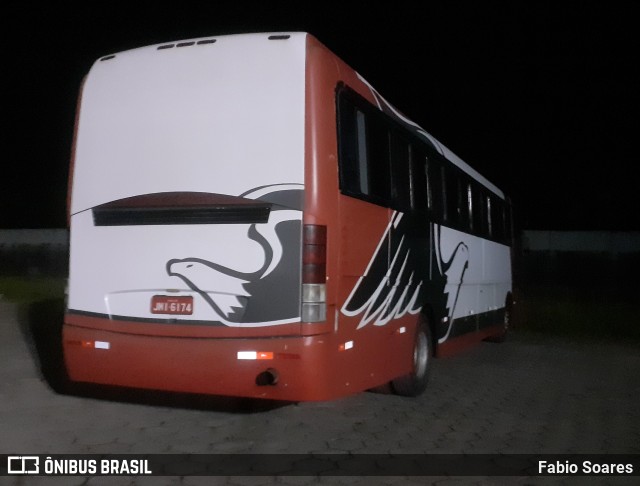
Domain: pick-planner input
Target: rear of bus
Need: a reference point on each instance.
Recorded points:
(186, 221)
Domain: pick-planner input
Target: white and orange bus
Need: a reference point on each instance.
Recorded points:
(249, 217)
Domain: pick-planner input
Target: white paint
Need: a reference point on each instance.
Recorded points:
(222, 118)
(218, 118)
(486, 280)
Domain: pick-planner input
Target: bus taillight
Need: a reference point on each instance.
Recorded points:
(314, 273)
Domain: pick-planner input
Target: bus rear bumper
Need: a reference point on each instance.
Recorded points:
(282, 368)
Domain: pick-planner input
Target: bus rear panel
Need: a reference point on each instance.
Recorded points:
(186, 219)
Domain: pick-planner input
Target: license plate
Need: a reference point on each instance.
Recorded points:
(166, 304)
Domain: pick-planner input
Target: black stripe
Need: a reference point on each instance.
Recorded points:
(225, 214)
(476, 322)
(144, 319)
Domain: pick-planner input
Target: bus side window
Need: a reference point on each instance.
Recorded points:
(379, 174)
(428, 178)
(463, 207)
(362, 160)
(478, 218)
(488, 216)
(497, 219)
(437, 179)
(419, 197)
(452, 197)
(469, 207)
(364, 154)
(352, 129)
(399, 152)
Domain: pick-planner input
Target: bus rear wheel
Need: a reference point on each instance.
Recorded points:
(415, 383)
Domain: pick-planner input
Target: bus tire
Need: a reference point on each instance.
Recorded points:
(414, 383)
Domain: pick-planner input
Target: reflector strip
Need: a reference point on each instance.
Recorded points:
(345, 346)
(91, 344)
(255, 355)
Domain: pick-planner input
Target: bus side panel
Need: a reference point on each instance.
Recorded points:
(364, 356)
(388, 276)
(321, 184)
(478, 282)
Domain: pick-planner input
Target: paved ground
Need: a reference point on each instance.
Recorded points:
(528, 395)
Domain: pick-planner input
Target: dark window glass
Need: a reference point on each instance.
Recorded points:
(352, 149)
(378, 158)
(469, 206)
(452, 197)
(488, 215)
(478, 219)
(364, 153)
(497, 218)
(399, 151)
(437, 177)
(419, 193)
(507, 224)
(428, 178)
(385, 163)
(462, 205)
(362, 182)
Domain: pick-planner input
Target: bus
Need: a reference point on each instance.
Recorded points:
(249, 217)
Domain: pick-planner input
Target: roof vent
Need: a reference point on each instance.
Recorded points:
(187, 44)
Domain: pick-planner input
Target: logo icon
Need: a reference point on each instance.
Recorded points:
(23, 464)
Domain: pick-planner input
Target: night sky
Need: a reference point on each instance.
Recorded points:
(541, 98)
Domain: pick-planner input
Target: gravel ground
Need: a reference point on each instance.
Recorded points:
(529, 395)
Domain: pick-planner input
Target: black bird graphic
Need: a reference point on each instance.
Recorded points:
(255, 298)
(405, 271)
